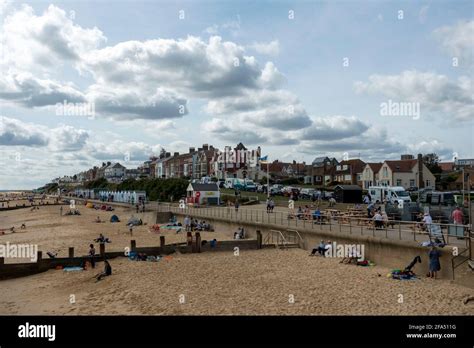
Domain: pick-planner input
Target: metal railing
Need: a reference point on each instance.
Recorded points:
(277, 238)
(391, 229)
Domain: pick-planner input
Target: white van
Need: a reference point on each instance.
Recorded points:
(234, 183)
(392, 193)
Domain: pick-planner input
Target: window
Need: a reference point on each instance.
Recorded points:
(385, 172)
(318, 178)
(399, 182)
(412, 183)
(428, 183)
(359, 177)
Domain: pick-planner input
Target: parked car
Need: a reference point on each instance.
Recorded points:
(437, 198)
(307, 193)
(289, 191)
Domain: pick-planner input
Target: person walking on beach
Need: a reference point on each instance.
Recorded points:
(237, 206)
(92, 255)
(435, 266)
(272, 205)
(61, 211)
(187, 223)
(268, 205)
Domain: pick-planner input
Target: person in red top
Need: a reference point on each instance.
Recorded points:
(457, 216)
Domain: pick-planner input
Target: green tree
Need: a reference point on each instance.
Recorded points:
(431, 161)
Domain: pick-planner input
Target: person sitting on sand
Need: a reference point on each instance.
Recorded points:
(238, 234)
(97, 219)
(23, 226)
(102, 239)
(107, 271)
(321, 249)
(213, 243)
(52, 254)
(351, 256)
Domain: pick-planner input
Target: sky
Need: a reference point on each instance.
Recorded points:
(302, 79)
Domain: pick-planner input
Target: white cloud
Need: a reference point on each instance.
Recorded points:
(26, 90)
(14, 132)
(435, 93)
(334, 128)
(458, 41)
(271, 48)
(29, 41)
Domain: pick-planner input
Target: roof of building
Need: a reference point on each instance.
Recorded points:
(204, 187)
(402, 165)
(446, 166)
(375, 166)
(356, 164)
(349, 187)
(116, 165)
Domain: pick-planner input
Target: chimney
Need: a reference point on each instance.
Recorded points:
(168, 154)
(192, 149)
(294, 162)
(406, 157)
(421, 182)
(205, 147)
(176, 154)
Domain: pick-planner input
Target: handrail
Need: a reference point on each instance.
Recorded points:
(459, 264)
(279, 234)
(301, 241)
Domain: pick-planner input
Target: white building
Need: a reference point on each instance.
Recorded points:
(114, 171)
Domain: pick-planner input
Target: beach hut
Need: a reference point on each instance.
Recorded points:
(348, 194)
(203, 193)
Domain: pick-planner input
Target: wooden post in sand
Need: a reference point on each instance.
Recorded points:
(162, 242)
(2, 261)
(71, 252)
(39, 256)
(259, 239)
(133, 245)
(198, 242)
(102, 250)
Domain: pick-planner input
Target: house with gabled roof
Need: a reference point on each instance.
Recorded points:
(406, 173)
(370, 175)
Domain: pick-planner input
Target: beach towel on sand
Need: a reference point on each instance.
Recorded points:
(72, 269)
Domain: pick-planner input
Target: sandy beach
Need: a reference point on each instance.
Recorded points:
(51, 232)
(268, 281)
